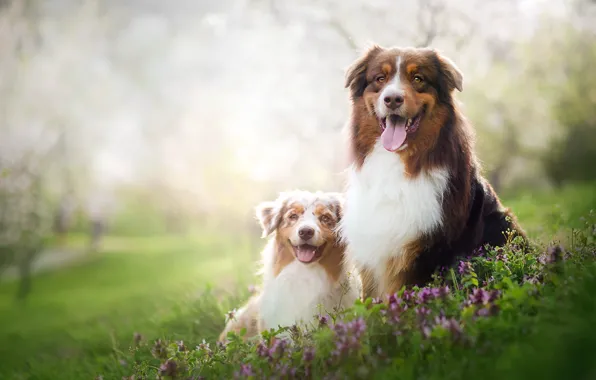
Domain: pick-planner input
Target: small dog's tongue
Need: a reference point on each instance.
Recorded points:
(394, 134)
(306, 253)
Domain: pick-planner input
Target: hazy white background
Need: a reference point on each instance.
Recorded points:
(208, 107)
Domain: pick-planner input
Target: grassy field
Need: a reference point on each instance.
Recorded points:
(77, 317)
(79, 321)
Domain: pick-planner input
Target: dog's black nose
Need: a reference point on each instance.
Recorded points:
(394, 101)
(306, 233)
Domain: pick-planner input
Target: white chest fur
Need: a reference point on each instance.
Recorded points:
(385, 210)
(299, 293)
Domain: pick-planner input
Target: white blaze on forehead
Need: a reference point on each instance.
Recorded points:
(395, 84)
(393, 87)
(308, 218)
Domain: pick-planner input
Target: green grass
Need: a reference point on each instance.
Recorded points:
(79, 321)
(548, 213)
(75, 316)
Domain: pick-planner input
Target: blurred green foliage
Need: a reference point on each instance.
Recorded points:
(571, 155)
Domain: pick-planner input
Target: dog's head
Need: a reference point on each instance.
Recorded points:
(304, 222)
(399, 91)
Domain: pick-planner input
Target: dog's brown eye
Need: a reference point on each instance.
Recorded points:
(380, 78)
(325, 219)
(418, 79)
(293, 216)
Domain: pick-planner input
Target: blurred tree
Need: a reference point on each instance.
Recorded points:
(571, 155)
(22, 220)
(64, 210)
(39, 94)
(24, 217)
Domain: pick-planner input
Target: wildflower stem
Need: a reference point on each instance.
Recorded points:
(454, 279)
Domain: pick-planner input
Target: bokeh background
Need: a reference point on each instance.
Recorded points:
(137, 136)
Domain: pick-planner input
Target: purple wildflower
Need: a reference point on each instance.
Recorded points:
(464, 267)
(308, 354)
(262, 350)
(340, 328)
(408, 295)
(425, 295)
(396, 307)
(278, 348)
(422, 311)
(482, 297)
(282, 369)
(488, 281)
(294, 331)
(169, 368)
(487, 310)
(159, 350)
(323, 320)
(358, 326)
(392, 298)
(553, 254)
(479, 296)
(231, 315)
(435, 292)
(485, 299)
(394, 318)
(348, 335)
(450, 325)
(204, 346)
(444, 291)
(246, 370)
(531, 279)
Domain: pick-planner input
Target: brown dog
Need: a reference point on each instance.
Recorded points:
(416, 199)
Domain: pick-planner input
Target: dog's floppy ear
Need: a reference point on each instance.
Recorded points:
(454, 77)
(269, 215)
(356, 73)
(337, 204)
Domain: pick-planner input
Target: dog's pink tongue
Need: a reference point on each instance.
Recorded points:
(306, 253)
(394, 134)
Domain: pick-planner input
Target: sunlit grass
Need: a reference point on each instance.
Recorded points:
(545, 213)
(133, 283)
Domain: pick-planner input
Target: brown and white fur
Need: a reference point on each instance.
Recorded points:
(302, 264)
(415, 199)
